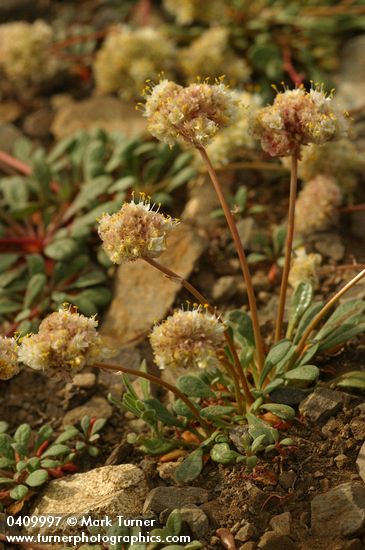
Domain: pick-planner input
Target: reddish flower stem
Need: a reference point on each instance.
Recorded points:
(15, 163)
(288, 247)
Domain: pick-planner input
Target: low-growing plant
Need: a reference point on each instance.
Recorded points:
(29, 458)
(50, 251)
(224, 370)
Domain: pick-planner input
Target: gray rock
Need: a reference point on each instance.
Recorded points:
(38, 124)
(9, 134)
(281, 523)
(340, 511)
(196, 519)
(107, 491)
(321, 404)
(143, 295)
(224, 288)
(360, 462)
(84, 380)
(162, 498)
(166, 470)
(330, 245)
(350, 81)
(236, 435)
(247, 532)
(97, 406)
(246, 228)
(341, 460)
(104, 112)
(274, 541)
(201, 203)
(248, 546)
(213, 510)
(288, 396)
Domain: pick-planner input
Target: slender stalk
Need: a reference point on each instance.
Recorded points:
(158, 382)
(242, 258)
(232, 372)
(203, 301)
(288, 247)
(15, 163)
(312, 325)
(353, 208)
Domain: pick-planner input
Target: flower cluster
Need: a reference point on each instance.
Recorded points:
(304, 267)
(210, 55)
(338, 159)
(24, 52)
(190, 115)
(129, 57)
(230, 142)
(188, 339)
(8, 358)
(188, 11)
(136, 231)
(317, 205)
(297, 118)
(65, 343)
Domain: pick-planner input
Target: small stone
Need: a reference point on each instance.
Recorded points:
(236, 435)
(213, 510)
(331, 426)
(331, 246)
(321, 404)
(281, 523)
(360, 462)
(195, 518)
(9, 111)
(166, 470)
(161, 498)
(97, 407)
(288, 396)
(235, 528)
(9, 134)
(357, 426)
(119, 454)
(38, 124)
(106, 491)
(248, 546)
(246, 533)
(340, 511)
(274, 541)
(340, 461)
(214, 540)
(287, 479)
(245, 228)
(318, 474)
(324, 484)
(84, 380)
(224, 288)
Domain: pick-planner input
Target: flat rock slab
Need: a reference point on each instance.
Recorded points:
(321, 404)
(162, 498)
(105, 112)
(360, 462)
(107, 491)
(340, 511)
(350, 81)
(143, 295)
(95, 407)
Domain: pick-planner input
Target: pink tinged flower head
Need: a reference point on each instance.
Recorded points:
(317, 205)
(297, 118)
(188, 340)
(65, 343)
(136, 231)
(9, 366)
(192, 115)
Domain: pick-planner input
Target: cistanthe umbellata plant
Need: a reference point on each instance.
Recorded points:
(28, 459)
(50, 252)
(229, 374)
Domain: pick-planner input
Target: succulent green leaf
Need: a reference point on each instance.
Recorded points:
(19, 492)
(303, 376)
(301, 300)
(37, 478)
(193, 386)
(190, 468)
(282, 411)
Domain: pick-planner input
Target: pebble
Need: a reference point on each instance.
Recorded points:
(321, 404)
(340, 511)
(246, 533)
(360, 462)
(196, 519)
(224, 288)
(248, 546)
(161, 498)
(287, 479)
(281, 523)
(340, 461)
(272, 540)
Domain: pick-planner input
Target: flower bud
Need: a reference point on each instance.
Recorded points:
(8, 358)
